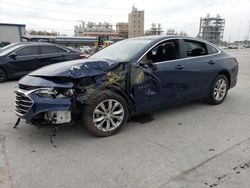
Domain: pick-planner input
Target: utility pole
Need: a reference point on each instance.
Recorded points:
(248, 35)
(238, 36)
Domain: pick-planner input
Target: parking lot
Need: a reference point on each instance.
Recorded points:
(193, 145)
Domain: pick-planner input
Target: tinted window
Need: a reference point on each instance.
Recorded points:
(163, 52)
(211, 49)
(195, 48)
(30, 50)
(51, 49)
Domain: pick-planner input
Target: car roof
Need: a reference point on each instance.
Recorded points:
(16, 45)
(32, 43)
(162, 37)
(23, 44)
(157, 38)
(154, 37)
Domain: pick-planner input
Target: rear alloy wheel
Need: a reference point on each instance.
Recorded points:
(3, 75)
(219, 90)
(106, 115)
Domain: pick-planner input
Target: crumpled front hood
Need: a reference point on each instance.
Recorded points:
(76, 69)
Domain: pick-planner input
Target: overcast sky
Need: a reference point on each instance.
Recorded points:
(182, 15)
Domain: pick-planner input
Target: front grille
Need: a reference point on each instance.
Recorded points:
(22, 103)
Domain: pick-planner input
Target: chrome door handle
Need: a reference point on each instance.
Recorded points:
(211, 62)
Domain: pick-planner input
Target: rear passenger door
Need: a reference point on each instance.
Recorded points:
(52, 54)
(200, 68)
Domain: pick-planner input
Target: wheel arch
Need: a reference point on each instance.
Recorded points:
(88, 110)
(120, 92)
(6, 72)
(227, 74)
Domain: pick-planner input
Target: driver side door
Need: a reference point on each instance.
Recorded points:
(165, 81)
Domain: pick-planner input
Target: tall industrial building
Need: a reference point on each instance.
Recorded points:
(212, 29)
(135, 23)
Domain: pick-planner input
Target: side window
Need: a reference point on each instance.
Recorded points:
(30, 50)
(163, 52)
(195, 48)
(211, 49)
(51, 50)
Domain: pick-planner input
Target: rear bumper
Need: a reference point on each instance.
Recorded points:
(234, 75)
(233, 83)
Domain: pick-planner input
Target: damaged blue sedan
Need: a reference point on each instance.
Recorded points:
(128, 78)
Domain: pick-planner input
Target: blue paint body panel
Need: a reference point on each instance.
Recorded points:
(175, 81)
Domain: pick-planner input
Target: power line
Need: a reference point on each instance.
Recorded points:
(74, 4)
(248, 31)
(46, 18)
(42, 17)
(53, 10)
(50, 28)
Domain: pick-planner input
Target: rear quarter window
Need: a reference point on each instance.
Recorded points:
(195, 48)
(211, 49)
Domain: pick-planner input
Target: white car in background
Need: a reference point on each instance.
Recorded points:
(85, 49)
(223, 47)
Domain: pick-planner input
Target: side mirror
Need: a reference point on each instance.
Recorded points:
(13, 55)
(152, 66)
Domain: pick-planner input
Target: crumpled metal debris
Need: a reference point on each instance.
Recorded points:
(91, 68)
(137, 76)
(53, 135)
(17, 122)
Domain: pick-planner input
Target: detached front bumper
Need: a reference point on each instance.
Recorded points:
(28, 105)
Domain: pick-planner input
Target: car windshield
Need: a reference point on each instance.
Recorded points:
(122, 51)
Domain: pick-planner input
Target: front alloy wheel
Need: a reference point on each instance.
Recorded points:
(105, 114)
(108, 115)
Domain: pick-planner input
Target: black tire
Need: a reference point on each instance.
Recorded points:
(88, 113)
(212, 99)
(3, 75)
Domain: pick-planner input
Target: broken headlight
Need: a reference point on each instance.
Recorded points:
(52, 93)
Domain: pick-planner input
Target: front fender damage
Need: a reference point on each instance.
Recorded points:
(89, 88)
(119, 78)
(85, 83)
